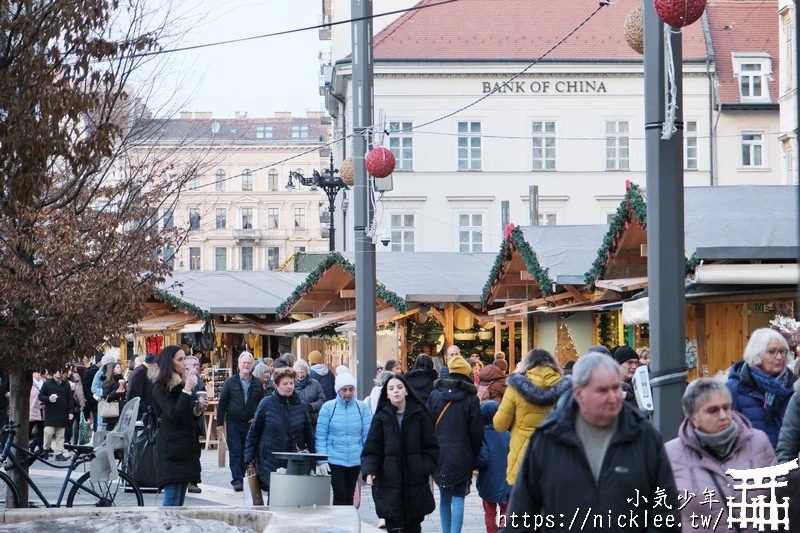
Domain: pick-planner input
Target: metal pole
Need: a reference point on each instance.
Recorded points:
(665, 250)
(331, 228)
(364, 247)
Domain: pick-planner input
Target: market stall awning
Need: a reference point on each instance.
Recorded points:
(171, 322)
(313, 324)
(623, 285)
(381, 318)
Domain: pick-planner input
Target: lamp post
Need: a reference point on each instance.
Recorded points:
(330, 182)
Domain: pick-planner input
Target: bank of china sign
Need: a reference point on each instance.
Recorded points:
(546, 87)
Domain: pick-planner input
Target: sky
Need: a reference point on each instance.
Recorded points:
(258, 77)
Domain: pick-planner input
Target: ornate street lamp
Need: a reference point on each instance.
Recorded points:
(330, 182)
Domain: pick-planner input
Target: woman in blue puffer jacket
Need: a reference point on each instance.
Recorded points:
(281, 424)
(342, 429)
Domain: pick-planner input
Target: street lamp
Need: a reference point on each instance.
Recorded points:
(330, 182)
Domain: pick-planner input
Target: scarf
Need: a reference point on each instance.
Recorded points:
(720, 443)
(773, 387)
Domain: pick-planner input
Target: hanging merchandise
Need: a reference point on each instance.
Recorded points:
(680, 13)
(380, 162)
(634, 30)
(346, 171)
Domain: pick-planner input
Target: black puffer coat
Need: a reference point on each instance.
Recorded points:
(177, 447)
(57, 414)
(555, 479)
(401, 461)
(460, 428)
(268, 433)
(421, 380)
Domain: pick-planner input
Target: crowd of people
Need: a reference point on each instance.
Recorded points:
(545, 440)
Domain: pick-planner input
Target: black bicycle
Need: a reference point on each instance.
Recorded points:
(83, 492)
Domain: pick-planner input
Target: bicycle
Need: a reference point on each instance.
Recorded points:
(120, 492)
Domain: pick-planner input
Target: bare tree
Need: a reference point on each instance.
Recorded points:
(80, 236)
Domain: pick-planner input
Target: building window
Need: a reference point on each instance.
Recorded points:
(194, 258)
(544, 145)
(273, 258)
(273, 179)
(752, 149)
(300, 131)
(402, 233)
(219, 180)
(299, 217)
(220, 259)
(247, 257)
(470, 233)
(168, 255)
(547, 219)
(247, 218)
(193, 182)
(789, 155)
(169, 219)
(787, 67)
(247, 180)
(222, 218)
(299, 249)
(751, 81)
(273, 217)
(690, 145)
(264, 132)
(402, 145)
(617, 145)
(194, 217)
(469, 146)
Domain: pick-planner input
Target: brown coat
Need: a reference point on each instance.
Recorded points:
(696, 470)
(491, 384)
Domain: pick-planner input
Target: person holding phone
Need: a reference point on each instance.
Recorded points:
(114, 390)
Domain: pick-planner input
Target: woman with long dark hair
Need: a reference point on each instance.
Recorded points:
(177, 447)
(114, 390)
(421, 378)
(399, 456)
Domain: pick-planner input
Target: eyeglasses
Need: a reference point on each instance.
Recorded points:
(776, 352)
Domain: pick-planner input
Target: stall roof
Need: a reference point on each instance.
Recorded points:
(228, 292)
(433, 277)
(566, 252)
(741, 222)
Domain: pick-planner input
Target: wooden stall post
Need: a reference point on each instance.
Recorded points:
(448, 324)
(498, 341)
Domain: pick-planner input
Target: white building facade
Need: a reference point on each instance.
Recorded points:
(238, 210)
(788, 90)
(572, 125)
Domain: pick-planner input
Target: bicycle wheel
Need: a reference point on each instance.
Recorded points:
(9, 495)
(121, 492)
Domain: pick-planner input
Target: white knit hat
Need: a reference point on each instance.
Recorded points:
(345, 379)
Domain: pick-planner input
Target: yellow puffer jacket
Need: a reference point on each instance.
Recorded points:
(526, 403)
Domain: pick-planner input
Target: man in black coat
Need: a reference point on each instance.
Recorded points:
(456, 411)
(86, 381)
(139, 386)
(595, 465)
(56, 397)
(238, 401)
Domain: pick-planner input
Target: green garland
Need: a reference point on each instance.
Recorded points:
(604, 329)
(515, 242)
(165, 296)
(335, 258)
(327, 331)
(633, 205)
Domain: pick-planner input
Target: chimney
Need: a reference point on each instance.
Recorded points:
(186, 115)
(240, 116)
(203, 115)
(283, 114)
(314, 114)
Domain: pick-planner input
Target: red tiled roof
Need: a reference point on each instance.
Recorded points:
(753, 28)
(512, 29)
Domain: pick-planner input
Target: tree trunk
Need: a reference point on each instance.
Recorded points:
(18, 412)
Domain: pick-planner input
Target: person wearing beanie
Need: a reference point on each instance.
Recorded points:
(492, 463)
(139, 386)
(107, 364)
(319, 370)
(341, 369)
(500, 363)
(459, 431)
(628, 361)
(342, 429)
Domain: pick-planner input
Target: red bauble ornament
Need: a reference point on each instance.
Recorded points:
(379, 162)
(680, 13)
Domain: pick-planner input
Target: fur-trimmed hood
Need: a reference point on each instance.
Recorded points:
(540, 385)
(174, 380)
